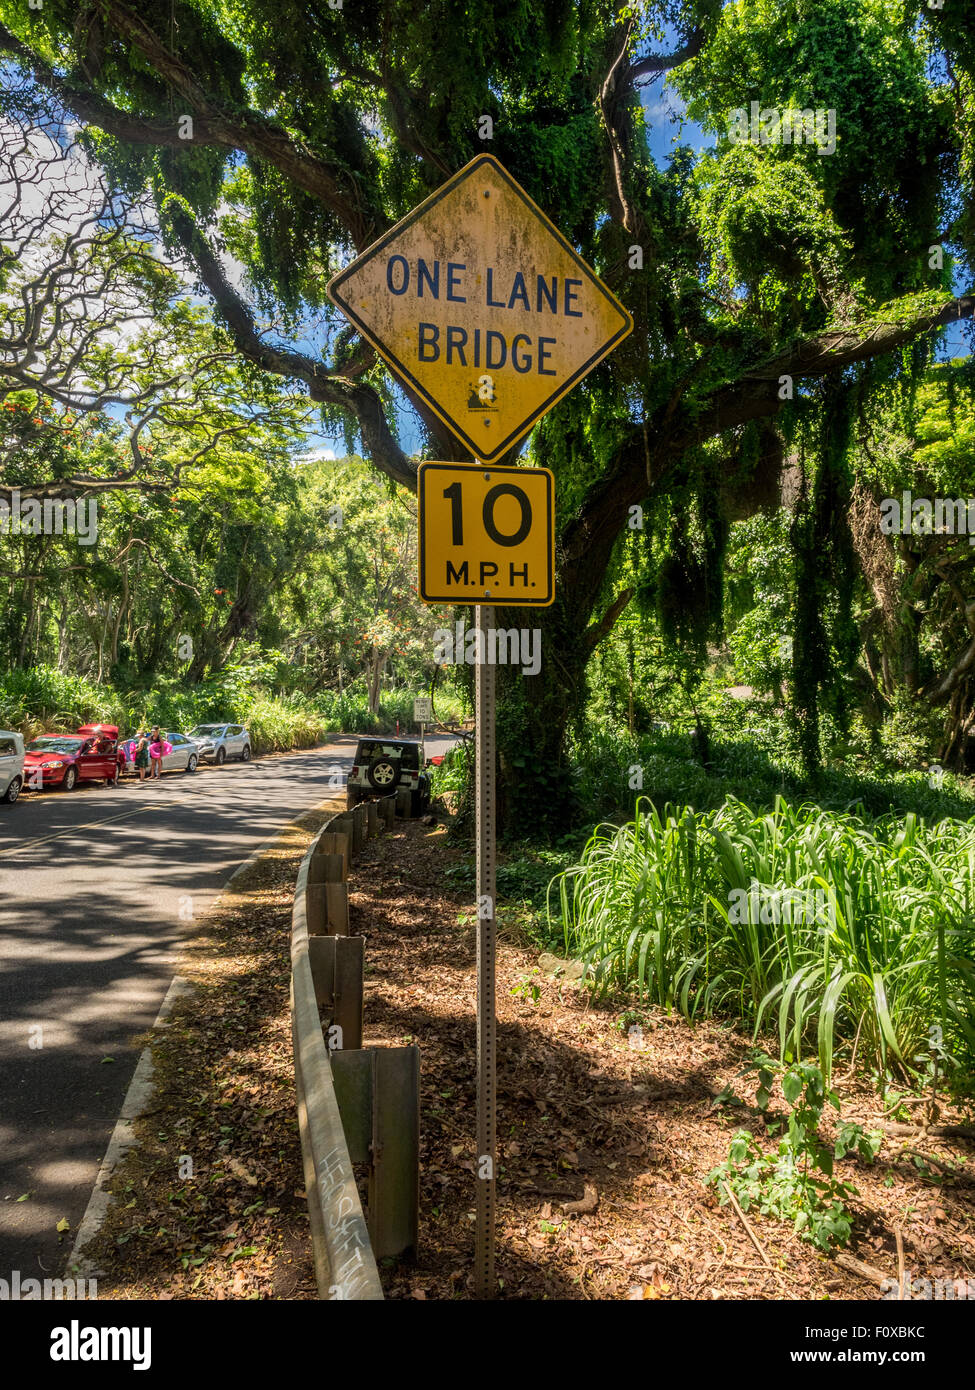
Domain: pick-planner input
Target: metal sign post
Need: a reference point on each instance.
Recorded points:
(486, 956)
(484, 310)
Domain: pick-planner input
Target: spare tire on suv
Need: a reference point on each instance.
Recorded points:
(383, 774)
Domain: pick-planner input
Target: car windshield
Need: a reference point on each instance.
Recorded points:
(205, 730)
(407, 753)
(54, 745)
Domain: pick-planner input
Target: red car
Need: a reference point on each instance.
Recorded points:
(64, 760)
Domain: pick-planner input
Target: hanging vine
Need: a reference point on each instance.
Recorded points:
(825, 638)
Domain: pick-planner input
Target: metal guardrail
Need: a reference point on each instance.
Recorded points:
(355, 1104)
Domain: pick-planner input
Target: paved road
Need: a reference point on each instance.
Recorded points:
(92, 887)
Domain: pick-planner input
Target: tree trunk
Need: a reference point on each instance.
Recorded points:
(374, 677)
(535, 788)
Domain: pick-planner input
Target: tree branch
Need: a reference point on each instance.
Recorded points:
(595, 632)
(246, 131)
(362, 400)
(756, 392)
(588, 538)
(664, 62)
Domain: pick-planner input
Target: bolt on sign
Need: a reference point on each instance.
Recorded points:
(480, 304)
(486, 535)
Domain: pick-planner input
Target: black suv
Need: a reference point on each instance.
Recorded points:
(382, 766)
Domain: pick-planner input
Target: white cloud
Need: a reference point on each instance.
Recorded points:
(315, 455)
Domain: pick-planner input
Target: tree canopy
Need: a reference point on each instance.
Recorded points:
(780, 290)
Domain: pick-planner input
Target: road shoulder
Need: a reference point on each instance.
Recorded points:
(200, 1194)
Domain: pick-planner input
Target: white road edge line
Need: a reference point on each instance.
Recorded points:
(140, 1088)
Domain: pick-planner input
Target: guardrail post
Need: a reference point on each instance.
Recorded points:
(378, 1093)
(372, 811)
(394, 1192)
(404, 801)
(337, 908)
(345, 1266)
(332, 842)
(316, 909)
(387, 806)
(327, 884)
(337, 969)
(359, 824)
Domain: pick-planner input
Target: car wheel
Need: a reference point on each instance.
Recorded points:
(12, 792)
(245, 756)
(191, 765)
(69, 780)
(382, 775)
(220, 757)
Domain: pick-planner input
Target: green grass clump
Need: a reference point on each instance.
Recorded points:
(851, 935)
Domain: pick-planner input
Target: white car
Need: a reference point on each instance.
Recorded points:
(218, 742)
(11, 765)
(185, 755)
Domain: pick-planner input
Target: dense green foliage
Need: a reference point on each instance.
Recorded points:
(299, 573)
(850, 935)
(313, 130)
(44, 699)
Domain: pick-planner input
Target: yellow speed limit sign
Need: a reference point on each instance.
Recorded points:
(487, 535)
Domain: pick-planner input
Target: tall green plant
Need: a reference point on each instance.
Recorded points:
(854, 938)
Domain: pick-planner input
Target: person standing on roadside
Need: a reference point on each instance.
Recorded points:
(141, 756)
(158, 748)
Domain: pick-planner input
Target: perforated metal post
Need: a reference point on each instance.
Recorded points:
(486, 952)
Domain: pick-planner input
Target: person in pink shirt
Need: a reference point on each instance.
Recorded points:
(158, 749)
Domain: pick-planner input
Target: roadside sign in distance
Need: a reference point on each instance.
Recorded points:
(487, 535)
(481, 306)
(423, 710)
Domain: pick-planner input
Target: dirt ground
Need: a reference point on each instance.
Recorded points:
(622, 1128)
(585, 1116)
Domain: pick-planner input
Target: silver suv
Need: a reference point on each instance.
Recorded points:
(215, 743)
(11, 765)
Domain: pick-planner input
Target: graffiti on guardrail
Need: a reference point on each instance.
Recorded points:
(345, 1232)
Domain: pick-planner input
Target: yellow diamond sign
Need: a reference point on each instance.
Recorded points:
(480, 305)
